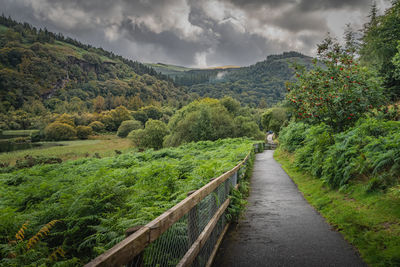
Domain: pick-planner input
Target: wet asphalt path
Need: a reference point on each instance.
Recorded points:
(280, 228)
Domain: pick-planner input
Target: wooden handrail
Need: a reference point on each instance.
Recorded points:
(134, 244)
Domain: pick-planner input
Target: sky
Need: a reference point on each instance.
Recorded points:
(196, 33)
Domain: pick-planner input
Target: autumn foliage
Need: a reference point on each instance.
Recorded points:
(336, 91)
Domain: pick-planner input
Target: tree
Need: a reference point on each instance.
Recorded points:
(83, 132)
(204, 119)
(274, 118)
(351, 39)
(245, 126)
(97, 126)
(128, 126)
(119, 115)
(67, 119)
(396, 63)
(232, 105)
(152, 136)
(380, 40)
(152, 112)
(337, 94)
(59, 131)
(99, 104)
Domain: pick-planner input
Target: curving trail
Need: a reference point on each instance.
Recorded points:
(280, 228)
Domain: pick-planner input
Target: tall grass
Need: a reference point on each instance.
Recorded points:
(69, 150)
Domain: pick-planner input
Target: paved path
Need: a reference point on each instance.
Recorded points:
(280, 228)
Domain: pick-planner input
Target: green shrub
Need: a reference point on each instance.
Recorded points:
(292, 136)
(59, 131)
(36, 136)
(83, 132)
(205, 119)
(119, 115)
(66, 119)
(337, 92)
(316, 144)
(274, 118)
(97, 126)
(246, 127)
(152, 136)
(371, 148)
(128, 126)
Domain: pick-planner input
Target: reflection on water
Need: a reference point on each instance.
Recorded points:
(11, 146)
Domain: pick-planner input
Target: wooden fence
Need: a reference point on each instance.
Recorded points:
(188, 234)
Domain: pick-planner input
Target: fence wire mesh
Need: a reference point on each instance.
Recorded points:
(172, 245)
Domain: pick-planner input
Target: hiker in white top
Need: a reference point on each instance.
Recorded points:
(270, 138)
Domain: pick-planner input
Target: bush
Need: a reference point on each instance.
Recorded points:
(36, 136)
(246, 127)
(201, 120)
(97, 126)
(337, 94)
(83, 132)
(119, 115)
(274, 118)
(371, 149)
(66, 119)
(316, 144)
(59, 131)
(152, 136)
(292, 136)
(128, 126)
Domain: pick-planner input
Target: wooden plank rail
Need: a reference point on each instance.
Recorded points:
(123, 252)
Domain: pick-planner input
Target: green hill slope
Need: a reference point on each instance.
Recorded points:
(40, 68)
(260, 84)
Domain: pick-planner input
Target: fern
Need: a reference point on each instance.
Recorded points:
(97, 199)
(21, 232)
(44, 231)
(58, 251)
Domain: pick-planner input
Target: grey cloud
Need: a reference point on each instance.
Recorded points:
(312, 5)
(178, 31)
(178, 49)
(304, 5)
(296, 21)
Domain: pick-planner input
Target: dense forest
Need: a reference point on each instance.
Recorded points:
(261, 84)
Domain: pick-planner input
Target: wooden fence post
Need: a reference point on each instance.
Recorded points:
(137, 261)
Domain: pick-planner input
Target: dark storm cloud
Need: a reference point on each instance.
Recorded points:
(305, 5)
(181, 50)
(191, 32)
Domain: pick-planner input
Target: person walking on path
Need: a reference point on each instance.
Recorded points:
(270, 138)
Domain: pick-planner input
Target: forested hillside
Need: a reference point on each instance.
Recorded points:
(261, 84)
(41, 70)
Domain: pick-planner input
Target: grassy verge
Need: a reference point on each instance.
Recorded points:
(105, 146)
(369, 221)
(19, 132)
